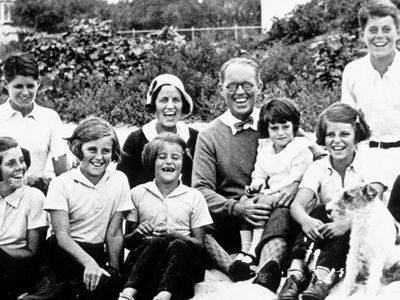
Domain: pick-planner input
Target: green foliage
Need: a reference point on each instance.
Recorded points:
(90, 71)
(53, 15)
(315, 18)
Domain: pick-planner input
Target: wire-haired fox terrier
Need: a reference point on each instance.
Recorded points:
(372, 239)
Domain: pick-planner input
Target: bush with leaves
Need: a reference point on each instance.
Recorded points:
(91, 71)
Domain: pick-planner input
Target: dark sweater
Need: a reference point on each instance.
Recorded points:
(222, 167)
(131, 162)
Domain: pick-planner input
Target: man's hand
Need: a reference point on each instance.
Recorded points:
(252, 212)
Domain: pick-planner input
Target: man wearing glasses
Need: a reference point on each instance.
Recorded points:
(223, 162)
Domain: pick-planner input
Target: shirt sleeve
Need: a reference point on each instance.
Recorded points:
(57, 198)
(348, 96)
(37, 217)
(299, 165)
(133, 215)
(204, 177)
(259, 175)
(200, 216)
(124, 201)
(58, 145)
(311, 178)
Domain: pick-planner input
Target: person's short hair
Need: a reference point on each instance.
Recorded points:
(22, 64)
(152, 148)
(342, 113)
(165, 80)
(6, 143)
(240, 61)
(378, 8)
(278, 110)
(92, 129)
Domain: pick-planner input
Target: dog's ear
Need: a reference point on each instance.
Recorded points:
(369, 192)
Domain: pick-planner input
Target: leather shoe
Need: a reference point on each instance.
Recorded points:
(269, 276)
(291, 288)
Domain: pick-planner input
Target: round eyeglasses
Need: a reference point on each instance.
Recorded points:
(233, 86)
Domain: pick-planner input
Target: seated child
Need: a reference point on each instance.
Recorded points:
(165, 230)
(86, 207)
(282, 158)
(339, 129)
(23, 223)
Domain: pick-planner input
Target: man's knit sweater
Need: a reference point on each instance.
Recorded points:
(223, 164)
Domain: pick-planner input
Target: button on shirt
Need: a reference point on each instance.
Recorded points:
(183, 209)
(19, 212)
(377, 97)
(90, 207)
(326, 182)
(39, 132)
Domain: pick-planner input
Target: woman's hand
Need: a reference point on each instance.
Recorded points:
(92, 275)
(311, 228)
(145, 228)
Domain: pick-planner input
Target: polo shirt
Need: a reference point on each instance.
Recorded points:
(90, 207)
(326, 182)
(183, 209)
(283, 168)
(19, 212)
(39, 132)
(377, 97)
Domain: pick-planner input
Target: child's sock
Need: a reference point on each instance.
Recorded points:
(163, 295)
(273, 250)
(321, 272)
(257, 234)
(217, 254)
(296, 273)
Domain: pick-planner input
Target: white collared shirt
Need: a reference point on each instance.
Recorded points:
(326, 182)
(39, 132)
(90, 207)
(183, 209)
(377, 97)
(229, 120)
(150, 131)
(21, 211)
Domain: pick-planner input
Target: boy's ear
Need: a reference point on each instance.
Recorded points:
(3, 86)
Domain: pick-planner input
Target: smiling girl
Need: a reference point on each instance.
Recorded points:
(86, 206)
(23, 223)
(36, 128)
(339, 129)
(282, 158)
(165, 230)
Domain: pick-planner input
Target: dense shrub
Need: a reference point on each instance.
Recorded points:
(91, 71)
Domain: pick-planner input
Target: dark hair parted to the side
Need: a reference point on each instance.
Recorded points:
(278, 110)
(92, 129)
(22, 64)
(342, 113)
(151, 107)
(380, 9)
(6, 143)
(152, 148)
(240, 61)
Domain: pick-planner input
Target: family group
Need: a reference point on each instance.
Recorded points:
(245, 195)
